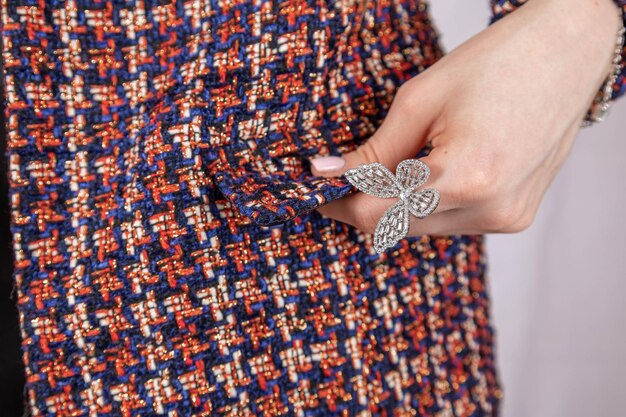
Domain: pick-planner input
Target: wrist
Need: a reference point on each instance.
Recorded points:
(588, 29)
(580, 39)
(611, 87)
(597, 20)
(610, 14)
(589, 9)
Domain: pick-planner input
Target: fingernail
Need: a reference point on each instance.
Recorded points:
(328, 163)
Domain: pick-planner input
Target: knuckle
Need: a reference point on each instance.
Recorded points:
(507, 218)
(478, 187)
(403, 90)
(365, 219)
(523, 223)
(497, 221)
(403, 101)
(368, 152)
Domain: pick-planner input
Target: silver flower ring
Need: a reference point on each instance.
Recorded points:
(376, 180)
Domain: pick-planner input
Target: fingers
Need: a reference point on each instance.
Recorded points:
(403, 133)
(471, 201)
(364, 212)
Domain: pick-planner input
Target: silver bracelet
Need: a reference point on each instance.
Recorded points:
(602, 102)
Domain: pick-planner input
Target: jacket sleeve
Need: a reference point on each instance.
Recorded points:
(500, 8)
(270, 190)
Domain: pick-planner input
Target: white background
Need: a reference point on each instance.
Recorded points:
(559, 288)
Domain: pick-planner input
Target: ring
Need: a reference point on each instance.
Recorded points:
(376, 180)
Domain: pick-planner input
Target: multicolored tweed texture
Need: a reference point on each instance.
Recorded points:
(168, 257)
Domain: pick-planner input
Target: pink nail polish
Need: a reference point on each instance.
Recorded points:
(328, 163)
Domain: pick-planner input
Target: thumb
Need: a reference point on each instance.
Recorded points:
(402, 134)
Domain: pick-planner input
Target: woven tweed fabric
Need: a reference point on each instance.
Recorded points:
(169, 260)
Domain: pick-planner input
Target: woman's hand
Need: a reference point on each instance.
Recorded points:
(502, 111)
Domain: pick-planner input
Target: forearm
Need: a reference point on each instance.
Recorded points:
(590, 24)
(585, 29)
(574, 40)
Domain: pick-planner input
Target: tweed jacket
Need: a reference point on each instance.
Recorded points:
(168, 257)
